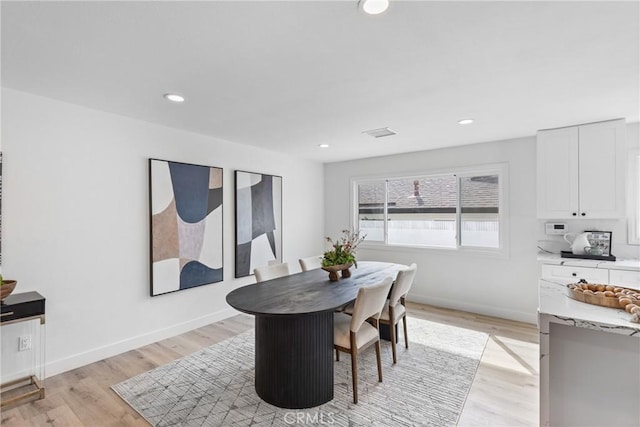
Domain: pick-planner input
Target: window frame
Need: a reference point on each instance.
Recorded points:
(500, 169)
(633, 198)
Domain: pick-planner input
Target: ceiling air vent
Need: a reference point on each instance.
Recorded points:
(379, 133)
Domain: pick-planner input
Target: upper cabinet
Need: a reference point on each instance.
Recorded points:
(581, 171)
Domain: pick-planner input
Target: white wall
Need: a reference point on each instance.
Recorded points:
(472, 282)
(76, 223)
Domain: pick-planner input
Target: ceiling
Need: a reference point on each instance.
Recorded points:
(291, 75)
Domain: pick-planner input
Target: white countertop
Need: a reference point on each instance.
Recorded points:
(620, 264)
(554, 301)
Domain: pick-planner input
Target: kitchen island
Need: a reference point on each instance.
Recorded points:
(589, 362)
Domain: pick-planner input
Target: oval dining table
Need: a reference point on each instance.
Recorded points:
(294, 330)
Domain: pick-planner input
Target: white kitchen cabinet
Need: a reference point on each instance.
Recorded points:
(625, 278)
(581, 171)
(568, 274)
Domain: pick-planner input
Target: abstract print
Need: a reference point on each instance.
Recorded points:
(186, 226)
(258, 221)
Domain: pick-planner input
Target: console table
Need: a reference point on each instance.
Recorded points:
(24, 307)
(294, 330)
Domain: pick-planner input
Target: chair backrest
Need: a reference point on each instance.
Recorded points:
(369, 303)
(403, 283)
(310, 263)
(269, 272)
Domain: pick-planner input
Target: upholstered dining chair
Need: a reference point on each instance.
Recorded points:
(394, 308)
(352, 334)
(272, 271)
(310, 263)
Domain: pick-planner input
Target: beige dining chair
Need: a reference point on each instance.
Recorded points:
(269, 272)
(394, 308)
(352, 334)
(310, 263)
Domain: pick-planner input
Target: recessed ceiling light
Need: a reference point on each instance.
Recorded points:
(323, 145)
(465, 121)
(174, 97)
(373, 7)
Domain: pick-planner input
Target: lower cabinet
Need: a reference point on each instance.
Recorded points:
(566, 274)
(625, 278)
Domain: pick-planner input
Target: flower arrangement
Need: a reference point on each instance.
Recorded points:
(343, 250)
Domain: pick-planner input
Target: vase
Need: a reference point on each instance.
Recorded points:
(334, 269)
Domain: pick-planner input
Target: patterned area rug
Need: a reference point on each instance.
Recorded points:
(215, 386)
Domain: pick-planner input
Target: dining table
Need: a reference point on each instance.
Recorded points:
(294, 330)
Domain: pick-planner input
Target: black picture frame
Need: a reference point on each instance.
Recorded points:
(602, 239)
(258, 220)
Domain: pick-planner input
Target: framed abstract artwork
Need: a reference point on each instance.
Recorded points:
(186, 225)
(258, 204)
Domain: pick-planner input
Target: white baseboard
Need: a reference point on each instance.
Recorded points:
(475, 308)
(81, 359)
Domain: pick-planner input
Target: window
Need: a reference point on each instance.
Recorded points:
(458, 209)
(634, 198)
(371, 212)
(480, 211)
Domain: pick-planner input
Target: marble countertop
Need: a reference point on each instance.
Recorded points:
(554, 301)
(620, 264)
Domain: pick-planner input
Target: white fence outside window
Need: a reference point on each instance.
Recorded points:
(434, 233)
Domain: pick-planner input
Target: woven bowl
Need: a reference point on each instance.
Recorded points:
(7, 287)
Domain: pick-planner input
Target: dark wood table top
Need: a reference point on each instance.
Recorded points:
(309, 291)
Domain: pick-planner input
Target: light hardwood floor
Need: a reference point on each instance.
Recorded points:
(504, 391)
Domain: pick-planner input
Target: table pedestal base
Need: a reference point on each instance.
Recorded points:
(294, 359)
(385, 332)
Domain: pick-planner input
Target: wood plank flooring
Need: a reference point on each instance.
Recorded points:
(504, 391)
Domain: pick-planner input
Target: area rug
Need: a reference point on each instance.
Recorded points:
(215, 386)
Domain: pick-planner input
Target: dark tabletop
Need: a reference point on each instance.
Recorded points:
(309, 291)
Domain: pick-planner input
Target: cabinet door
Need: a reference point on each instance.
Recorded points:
(566, 274)
(557, 173)
(625, 278)
(602, 169)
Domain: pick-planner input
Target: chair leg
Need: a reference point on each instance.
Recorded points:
(354, 375)
(379, 361)
(392, 332)
(406, 339)
(337, 355)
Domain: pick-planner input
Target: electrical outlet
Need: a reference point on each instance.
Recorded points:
(24, 343)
